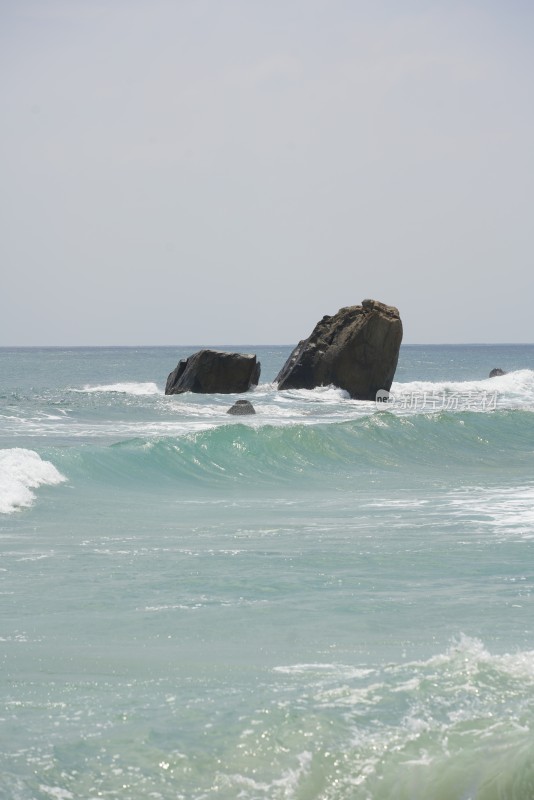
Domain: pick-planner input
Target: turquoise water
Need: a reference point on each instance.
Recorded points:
(329, 600)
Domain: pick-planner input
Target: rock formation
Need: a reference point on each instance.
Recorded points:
(357, 349)
(214, 371)
(241, 407)
(496, 372)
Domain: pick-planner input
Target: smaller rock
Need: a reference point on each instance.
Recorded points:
(496, 372)
(242, 407)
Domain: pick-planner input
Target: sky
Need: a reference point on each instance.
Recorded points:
(229, 171)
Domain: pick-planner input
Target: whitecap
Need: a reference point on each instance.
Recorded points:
(21, 471)
(512, 390)
(324, 394)
(128, 387)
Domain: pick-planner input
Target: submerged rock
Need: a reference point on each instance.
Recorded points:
(242, 407)
(214, 371)
(357, 349)
(496, 372)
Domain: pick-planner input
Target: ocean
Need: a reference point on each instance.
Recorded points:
(328, 600)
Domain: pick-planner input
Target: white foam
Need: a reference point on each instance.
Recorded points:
(20, 472)
(285, 786)
(509, 510)
(336, 670)
(469, 653)
(322, 394)
(513, 390)
(57, 792)
(129, 387)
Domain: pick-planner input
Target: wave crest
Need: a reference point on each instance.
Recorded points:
(326, 454)
(21, 471)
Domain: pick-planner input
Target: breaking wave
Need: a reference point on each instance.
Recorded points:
(21, 471)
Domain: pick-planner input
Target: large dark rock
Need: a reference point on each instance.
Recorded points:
(496, 372)
(213, 371)
(357, 349)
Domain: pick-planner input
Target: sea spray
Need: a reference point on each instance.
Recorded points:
(21, 471)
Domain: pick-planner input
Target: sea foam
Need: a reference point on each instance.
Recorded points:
(511, 390)
(128, 387)
(21, 471)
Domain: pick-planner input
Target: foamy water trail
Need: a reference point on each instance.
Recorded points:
(21, 471)
(128, 387)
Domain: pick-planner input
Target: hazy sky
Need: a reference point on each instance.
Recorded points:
(228, 171)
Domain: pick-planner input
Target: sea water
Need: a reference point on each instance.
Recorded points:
(328, 600)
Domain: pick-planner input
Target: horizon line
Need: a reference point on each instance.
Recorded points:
(245, 344)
